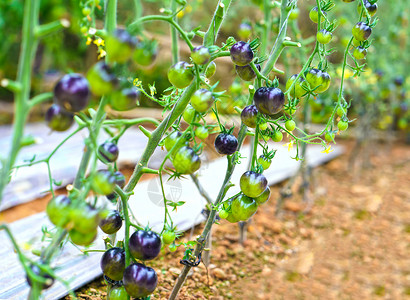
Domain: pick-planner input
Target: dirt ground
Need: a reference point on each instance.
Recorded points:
(353, 244)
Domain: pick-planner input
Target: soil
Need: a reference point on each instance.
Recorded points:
(353, 244)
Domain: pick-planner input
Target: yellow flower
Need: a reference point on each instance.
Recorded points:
(289, 145)
(328, 150)
(101, 54)
(136, 82)
(99, 42)
(180, 14)
(89, 40)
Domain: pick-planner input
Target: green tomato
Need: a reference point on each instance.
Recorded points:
(294, 14)
(201, 133)
(314, 15)
(252, 184)
(361, 31)
(171, 140)
(118, 293)
(243, 207)
(210, 70)
(172, 247)
(200, 55)
(119, 45)
(189, 114)
(58, 210)
(101, 79)
(324, 36)
(125, 99)
(290, 125)
(264, 162)
(244, 31)
(168, 237)
(342, 125)
(84, 218)
(202, 100)
(262, 198)
(227, 207)
(263, 126)
(103, 182)
(359, 52)
(82, 239)
(340, 111)
(298, 89)
(181, 74)
(277, 136)
(223, 214)
(145, 52)
(329, 136)
(186, 161)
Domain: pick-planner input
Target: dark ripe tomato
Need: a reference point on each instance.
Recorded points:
(314, 15)
(102, 80)
(202, 100)
(84, 218)
(227, 207)
(48, 280)
(58, 210)
(108, 151)
(399, 80)
(145, 52)
(359, 52)
(371, 8)
(181, 74)
(264, 161)
(58, 119)
(144, 245)
(297, 91)
(72, 92)
(324, 36)
(253, 184)
(82, 239)
(111, 223)
(249, 116)
(361, 31)
(226, 144)
(103, 182)
(269, 100)
(243, 207)
(172, 139)
(119, 45)
(246, 72)
(125, 99)
(241, 53)
(200, 55)
(262, 198)
(113, 263)
(210, 70)
(139, 280)
(186, 161)
(244, 31)
(118, 293)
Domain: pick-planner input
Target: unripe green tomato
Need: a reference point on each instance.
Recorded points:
(223, 214)
(86, 11)
(297, 91)
(210, 70)
(324, 36)
(277, 136)
(262, 198)
(244, 31)
(361, 31)
(103, 182)
(340, 111)
(118, 293)
(171, 139)
(186, 161)
(168, 237)
(120, 45)
(101, 79)
(201, 132)
(202, 100)
(402, 124)
(189, 114)
(342, 125)
(264, 162)
(180, 75)
(82, 239)
(359, 52)
(200, 55)
(289, 110)
(355, 43)
(243, 207)
(314, 15)
(294, 14)
(227, 207)
(329, 136)
(263, 126)
(290, 125)
(58, 210)
(172, 247)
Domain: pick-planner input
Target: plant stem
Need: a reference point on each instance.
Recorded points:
(174, 36)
